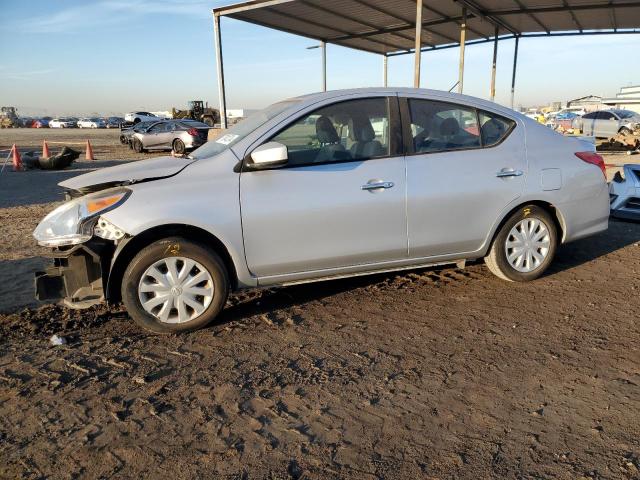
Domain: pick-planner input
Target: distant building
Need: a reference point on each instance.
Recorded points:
(628, 98)
(589, 103)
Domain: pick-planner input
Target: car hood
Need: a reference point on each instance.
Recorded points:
(127, 174)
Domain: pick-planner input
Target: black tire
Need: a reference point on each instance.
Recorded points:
(625, 131)
(209, 121)
(137, 145)
(136, 121)
(178, 146)
(175, 246)
(123, 140)
(496, 259)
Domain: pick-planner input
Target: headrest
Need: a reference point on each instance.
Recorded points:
(492, 130)
(360, 129)
(325, 131)
(449, 127)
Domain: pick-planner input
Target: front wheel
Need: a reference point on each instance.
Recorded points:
(524, 246)
(175, 285)
(625, 131)
(137, 145)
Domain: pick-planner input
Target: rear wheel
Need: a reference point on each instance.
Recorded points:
(137, 145)
(525, 245)
(178, 146)
(175, 285)
(208, 121)
(136, 121)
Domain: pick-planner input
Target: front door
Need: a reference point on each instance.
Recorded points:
(340, 200)
(466, 167)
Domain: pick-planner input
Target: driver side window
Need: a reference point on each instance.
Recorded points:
(350, 130)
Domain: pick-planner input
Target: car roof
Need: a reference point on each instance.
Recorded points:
(439, 95)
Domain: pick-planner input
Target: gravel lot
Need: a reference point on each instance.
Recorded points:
(426, 374)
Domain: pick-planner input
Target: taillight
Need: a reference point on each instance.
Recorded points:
(593, 158)
(193, 132)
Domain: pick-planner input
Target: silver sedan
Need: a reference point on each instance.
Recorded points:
(607, 123)
(176, 135)
(318, 187)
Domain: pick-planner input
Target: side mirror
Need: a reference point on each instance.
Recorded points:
(271, 154)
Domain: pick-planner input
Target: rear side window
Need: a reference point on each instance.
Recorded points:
(350, 130)
(439, 126)
(494, 128)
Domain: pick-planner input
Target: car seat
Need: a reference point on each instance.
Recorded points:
(365, 146)
(331, 149)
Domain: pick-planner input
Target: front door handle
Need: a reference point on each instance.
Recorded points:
(509, 172)
(375, 185)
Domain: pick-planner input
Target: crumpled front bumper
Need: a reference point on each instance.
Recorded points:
(624, 193)
(76, 276)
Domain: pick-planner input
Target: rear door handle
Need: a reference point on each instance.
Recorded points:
(376, 185)
(509, 172)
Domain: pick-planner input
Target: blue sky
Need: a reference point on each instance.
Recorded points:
(108, 57)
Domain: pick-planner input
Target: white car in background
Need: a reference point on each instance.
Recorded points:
(91, 123)
(137, 117)
(62, 123)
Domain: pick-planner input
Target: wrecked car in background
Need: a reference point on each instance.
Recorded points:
(176, 135)
(607, 123)
(624, 193)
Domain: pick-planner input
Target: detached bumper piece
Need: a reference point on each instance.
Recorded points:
(624, 193)
(75, 277)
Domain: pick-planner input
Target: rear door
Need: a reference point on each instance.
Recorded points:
(464, 167)
(605, 124)
(339, 202)
(154, 135)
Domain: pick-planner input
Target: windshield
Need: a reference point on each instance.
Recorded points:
(241, 129)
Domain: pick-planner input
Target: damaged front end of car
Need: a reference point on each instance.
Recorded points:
(624, 193)
(83, 244)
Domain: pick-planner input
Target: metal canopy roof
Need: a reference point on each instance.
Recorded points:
(388, 26)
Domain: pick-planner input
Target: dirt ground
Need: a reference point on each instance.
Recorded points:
(426, 374)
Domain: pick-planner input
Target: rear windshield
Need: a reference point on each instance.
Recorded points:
(241, 129)
(625, 113)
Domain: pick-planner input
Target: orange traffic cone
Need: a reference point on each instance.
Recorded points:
(17, 161)
(45, 150)
(89, 155)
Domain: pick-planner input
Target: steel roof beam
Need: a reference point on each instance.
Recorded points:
(490, 16)
(573, 15)
(320, 25)
(391, 14)
(457, 20)
(533, 17)
(355, 20)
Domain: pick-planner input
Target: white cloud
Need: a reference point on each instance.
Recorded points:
(99, 14)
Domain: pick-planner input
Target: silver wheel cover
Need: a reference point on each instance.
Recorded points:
(175, 290)
(527, 245)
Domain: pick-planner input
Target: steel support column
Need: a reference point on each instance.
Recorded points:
(220, 69)
(513, 76)
(323, 47)
(492, 89)
(384, 69)
(418, 45)
(463, 41)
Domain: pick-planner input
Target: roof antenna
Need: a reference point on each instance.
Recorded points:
(454, 86)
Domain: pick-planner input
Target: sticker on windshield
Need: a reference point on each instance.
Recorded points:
(227, 139)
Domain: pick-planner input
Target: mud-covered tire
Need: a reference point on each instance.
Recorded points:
(176, 247)
(497, 261)
(137, 146)
(178, 146)
(625, 131)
